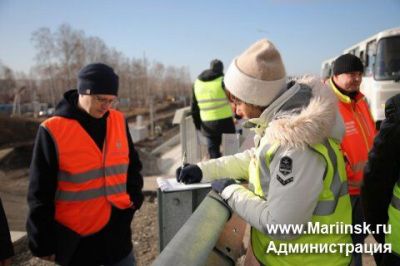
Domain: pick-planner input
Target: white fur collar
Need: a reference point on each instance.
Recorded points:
(315, 121)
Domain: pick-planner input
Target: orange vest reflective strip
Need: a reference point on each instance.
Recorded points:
(90, 193)
(90, 181)
(92, 174)
(358, 138)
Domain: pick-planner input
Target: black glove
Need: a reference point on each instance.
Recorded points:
(178, 171)
(220, 184)
(190, 173)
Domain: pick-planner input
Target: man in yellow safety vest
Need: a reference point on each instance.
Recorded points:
(211, 111)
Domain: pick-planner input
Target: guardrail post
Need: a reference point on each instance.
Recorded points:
(194, 242)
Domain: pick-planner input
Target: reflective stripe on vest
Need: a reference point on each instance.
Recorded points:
(90, 181)
(260, 186)
(333, 207)
(394, 220)
(90, 193)
(337, 187)
(92, 174)
(212, 100)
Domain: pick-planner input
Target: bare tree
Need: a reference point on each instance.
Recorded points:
(170, 82)
(61, 54)
(70, 52)
(124, 78)
(139, 80)
(184, 84)
(157, 72)
(7, 85)
(96, 50)
(44, 43)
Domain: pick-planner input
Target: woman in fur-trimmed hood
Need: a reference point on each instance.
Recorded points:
(295, 171)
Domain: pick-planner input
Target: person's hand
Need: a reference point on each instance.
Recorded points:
(190, 173)
(49, 258)
(5, 262)
(137, 199)
(178, 171)
(220, 184)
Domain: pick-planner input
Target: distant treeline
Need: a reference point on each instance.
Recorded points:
(60, 55)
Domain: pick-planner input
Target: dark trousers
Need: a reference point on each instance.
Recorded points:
(213, 145)
(358, 218)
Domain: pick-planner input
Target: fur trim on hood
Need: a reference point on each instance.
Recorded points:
(306, 125)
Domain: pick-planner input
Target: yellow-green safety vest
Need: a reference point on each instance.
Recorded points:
(212, 100)
(333, 207)
(394, 220)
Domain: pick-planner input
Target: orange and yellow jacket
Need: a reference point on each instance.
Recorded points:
(359, 135)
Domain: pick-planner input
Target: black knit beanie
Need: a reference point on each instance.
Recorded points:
(347, 63)
(217, 66)
(97, 78)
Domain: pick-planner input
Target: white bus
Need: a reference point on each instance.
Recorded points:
(380, 55)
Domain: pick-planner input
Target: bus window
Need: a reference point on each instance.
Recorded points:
(370, 58)
(388, 59)
(356, 52)
(362, 57)
(326, 71)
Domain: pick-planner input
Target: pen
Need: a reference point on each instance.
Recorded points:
(183, 161)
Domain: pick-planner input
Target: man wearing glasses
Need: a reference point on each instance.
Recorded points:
(85, 181)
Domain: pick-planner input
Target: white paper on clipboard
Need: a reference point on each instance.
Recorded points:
(170, 184)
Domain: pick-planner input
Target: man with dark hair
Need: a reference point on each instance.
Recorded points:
(211, 111)
(85, 181)
(359, 134)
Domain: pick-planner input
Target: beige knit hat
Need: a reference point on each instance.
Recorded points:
(258, 75)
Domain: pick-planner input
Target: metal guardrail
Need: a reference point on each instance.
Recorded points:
(190, 227)
(194, 242)
(174, 209)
